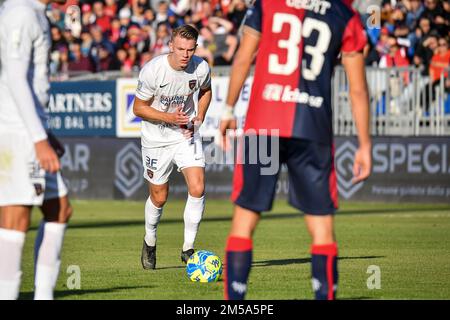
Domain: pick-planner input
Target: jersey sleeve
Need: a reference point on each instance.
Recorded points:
(23, 29)
(146, 83)
(354, 38)
(253, 17)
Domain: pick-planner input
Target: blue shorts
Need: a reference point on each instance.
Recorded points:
(312, 178)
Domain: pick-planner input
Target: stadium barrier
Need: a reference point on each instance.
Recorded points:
(403, 102)
(410, 125)
(415, 169)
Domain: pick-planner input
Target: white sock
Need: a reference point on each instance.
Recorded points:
(152, 217)
(47, 258)
(193, 213)
(11, 244)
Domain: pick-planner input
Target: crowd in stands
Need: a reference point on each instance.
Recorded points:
(106, 35)
(404, 33)
(103, 35)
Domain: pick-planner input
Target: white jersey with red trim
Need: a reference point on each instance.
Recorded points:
(170, 89)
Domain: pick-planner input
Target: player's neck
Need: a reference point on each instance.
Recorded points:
(173, 64)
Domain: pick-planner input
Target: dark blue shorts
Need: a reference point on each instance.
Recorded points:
(312, 178)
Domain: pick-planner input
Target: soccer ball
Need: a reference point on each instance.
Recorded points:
(204, 266)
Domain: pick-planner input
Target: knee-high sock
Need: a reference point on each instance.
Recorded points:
(324, 271)
(152, 217)
(238, 261)
(193, 214)
(47, 250)
(11, 245)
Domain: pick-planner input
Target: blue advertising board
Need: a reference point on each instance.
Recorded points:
(85, 108)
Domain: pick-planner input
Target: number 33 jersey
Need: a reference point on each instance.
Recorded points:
(300, 42)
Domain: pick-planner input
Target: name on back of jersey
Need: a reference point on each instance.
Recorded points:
(317, 6)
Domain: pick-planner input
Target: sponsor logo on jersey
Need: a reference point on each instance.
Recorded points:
(277, 92)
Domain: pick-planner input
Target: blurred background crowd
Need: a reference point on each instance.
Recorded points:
(122, 35)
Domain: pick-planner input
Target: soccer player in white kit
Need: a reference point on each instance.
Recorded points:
(29, 165)
(172, 97)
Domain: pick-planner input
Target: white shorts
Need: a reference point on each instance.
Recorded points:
(158, 162)
(22, 181)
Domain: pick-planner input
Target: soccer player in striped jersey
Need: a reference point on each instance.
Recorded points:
(298, 43)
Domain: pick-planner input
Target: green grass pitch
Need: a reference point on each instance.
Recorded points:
(410, 243)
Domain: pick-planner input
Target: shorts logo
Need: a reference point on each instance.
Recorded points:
(151, 163)
(128, 169)
(192, 84)
(150, 173)
(39, 188)
(344, 165)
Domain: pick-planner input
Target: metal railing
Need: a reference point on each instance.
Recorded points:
(403, 102)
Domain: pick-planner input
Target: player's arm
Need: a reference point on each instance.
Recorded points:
(204, 100)
(239, 71)
(144, 110)
(359, 95)
(21, 35)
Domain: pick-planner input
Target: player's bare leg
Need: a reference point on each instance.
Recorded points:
(14, 223)
(48, 245)
(323, 256)
(153, 211)
(195, 206)
(239, 252)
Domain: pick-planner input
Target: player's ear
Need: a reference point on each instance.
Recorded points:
(170, 43)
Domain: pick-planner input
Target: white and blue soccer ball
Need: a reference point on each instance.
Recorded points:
(204, 266)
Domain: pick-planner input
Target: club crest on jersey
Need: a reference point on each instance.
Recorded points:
(192, 84)
(150, 173)
(38, 188)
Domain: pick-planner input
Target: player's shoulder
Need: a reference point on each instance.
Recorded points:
(200, 64)
(19, 11)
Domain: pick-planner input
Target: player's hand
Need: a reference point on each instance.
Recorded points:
(362, 164)
(178, 117)
(48, 160)
(227, 126)
(192, 127)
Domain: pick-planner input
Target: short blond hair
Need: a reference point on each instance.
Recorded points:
(186, 31)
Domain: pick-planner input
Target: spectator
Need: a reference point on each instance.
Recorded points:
(99, 43)
(101, 19)
(78, 61)
(162, 13)
(433, 8)
(161, 44)
(220, 41)
(415, 10)
(111, 8)
(86, 42)
(87, 17)
(104, 58)
(396, 57)
(425, 52)
(440, 62)
(119, 61)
